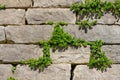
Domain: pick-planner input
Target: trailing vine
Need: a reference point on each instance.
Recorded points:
(62, 40)
(96, 8)
(98, 59)
(2, 6)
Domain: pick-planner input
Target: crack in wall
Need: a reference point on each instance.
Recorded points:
(73, 66)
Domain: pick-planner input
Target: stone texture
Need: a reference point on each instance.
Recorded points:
(39, 16)
(2, 34)
(5, 71)
(12, 16)
(113, 51)
(16, 3)
(54, 3)
(71, 55)
(53, 72)
(107, 33)
(82, 72)
(108, 19)
(28, 33)
(18, 52)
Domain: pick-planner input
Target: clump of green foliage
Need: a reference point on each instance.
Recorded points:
(11, 78)
(96, 7)
(2, 6)
(85, 24)
(98, 59)
(62, 40)
(41, 62)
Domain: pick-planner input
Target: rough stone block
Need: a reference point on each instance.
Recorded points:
(28, 34)
(54, 3)
(53, 72)
(5, 71)
(39, 16)
(16, 3)
(113, 52)
(82, 72)
(12, 16)
(2, 34)
(71, 55)
(18, 52)
(107, 33)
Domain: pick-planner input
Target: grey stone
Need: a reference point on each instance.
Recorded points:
(82, 72)
(5, 71)
(12, 16)
(18, 52)
(39, 16)
(54, 3)
(28, 33)
(71, 55)
(16, 3)
(107, 33)
(113, 52)
(2, 34)
(52, 72)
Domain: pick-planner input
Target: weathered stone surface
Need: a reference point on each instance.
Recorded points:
(15, 53)
(82, 72)
(107, 19)
(16, 3)
(5, 71)
(112, 51)
(12, 16)
(71, 55)
(107, 33)
(28, 34)
(2, 34)
(39, 16)
(54, 3)
(53, 72)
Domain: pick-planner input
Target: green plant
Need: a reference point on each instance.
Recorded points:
(61, 40)
(85, 24)
(2, 6)
(13, 68)
(11, 78)
(41, 62)
(98, 59)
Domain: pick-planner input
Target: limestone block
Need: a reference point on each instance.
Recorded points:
(53, 72)
(5, 71)
(107, 33)
(2, 34)
(18, 52)
(12, 16)
(82, 72)
(71, 55)
(28, 34)
(54, 3)
(40, 16)
(16, 3)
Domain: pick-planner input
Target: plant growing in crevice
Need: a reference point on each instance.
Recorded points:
(98, 59)
(13, 67)
(11, 78)
(41, 62)
(96, 8)
(86, 24)
(2, 6)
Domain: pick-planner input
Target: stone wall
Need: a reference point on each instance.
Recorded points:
(22, 26)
